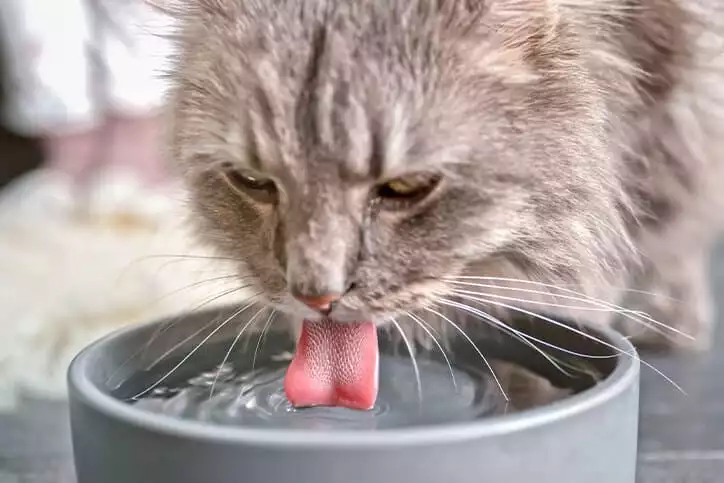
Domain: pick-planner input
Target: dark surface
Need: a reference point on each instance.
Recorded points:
(17, 154)
(682, 436)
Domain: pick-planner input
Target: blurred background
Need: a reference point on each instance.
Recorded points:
(93, 234)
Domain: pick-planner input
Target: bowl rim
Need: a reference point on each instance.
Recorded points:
(82, 390)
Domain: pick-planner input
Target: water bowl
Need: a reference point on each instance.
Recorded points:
(184, 401)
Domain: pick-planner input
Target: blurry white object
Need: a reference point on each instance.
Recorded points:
(55, 49)
(43, 192)
(66, 280)
(118, 192)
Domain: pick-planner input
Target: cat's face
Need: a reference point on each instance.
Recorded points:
(376, 149)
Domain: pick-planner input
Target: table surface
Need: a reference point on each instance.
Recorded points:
(681, 437)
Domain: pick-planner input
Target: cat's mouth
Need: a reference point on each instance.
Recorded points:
(337, 357)
(336, 364)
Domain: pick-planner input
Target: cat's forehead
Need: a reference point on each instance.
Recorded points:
(368, 88)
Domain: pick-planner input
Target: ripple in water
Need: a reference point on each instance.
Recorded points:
(256, 398)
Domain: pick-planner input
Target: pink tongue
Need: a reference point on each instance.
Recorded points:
(335, 365)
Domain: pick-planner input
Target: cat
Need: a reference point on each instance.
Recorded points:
(398, 156)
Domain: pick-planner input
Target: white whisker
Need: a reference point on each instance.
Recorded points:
(411, 350)
(172, 322)
(586, 335)
(525, 338)
(562, 287)
(141, 352)
(181, 343)
(196, 284)
(264, 330)
(174, 259)
(470, 293)
(182, 256)
(480, 299)
(462, 332)
(195, 349)
(231, 348)
(428, 330)
(601, 305)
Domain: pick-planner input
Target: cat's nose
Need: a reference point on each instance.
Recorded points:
(320, 303)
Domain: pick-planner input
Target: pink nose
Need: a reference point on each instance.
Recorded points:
(322, 303)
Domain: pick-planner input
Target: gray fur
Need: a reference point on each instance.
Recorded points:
(580, 143)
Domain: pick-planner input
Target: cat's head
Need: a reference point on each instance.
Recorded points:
(371, 150)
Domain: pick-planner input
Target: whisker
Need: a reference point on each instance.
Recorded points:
(196, 284)
(175, 259)
(477, 349)
(411, 350)
(560, 365)
(231, 348)
(183, 256)
(580, 297)
(141, 352)
(562, 287)
(469, 295)
(528, 340)
(479, 299)
(428, 330)
(262, 336)
(193, 351)
(172, 349)
(624, 312)
(586, 335)
(599, 306)
(165, 265)
(172, 322)
(525, 338)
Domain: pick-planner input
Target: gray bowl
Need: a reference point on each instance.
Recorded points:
(589, 437)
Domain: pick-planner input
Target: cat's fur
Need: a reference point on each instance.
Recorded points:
(580, 141)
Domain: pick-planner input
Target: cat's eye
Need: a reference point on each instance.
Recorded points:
(406, 190)
(255, 186)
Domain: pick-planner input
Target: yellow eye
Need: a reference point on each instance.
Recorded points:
(257, 187)
(409, 189)
(401, 187)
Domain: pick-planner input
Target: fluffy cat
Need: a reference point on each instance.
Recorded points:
(381, 150)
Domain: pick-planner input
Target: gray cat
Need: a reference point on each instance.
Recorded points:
(365, 159)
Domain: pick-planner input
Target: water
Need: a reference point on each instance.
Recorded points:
(255, 398)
